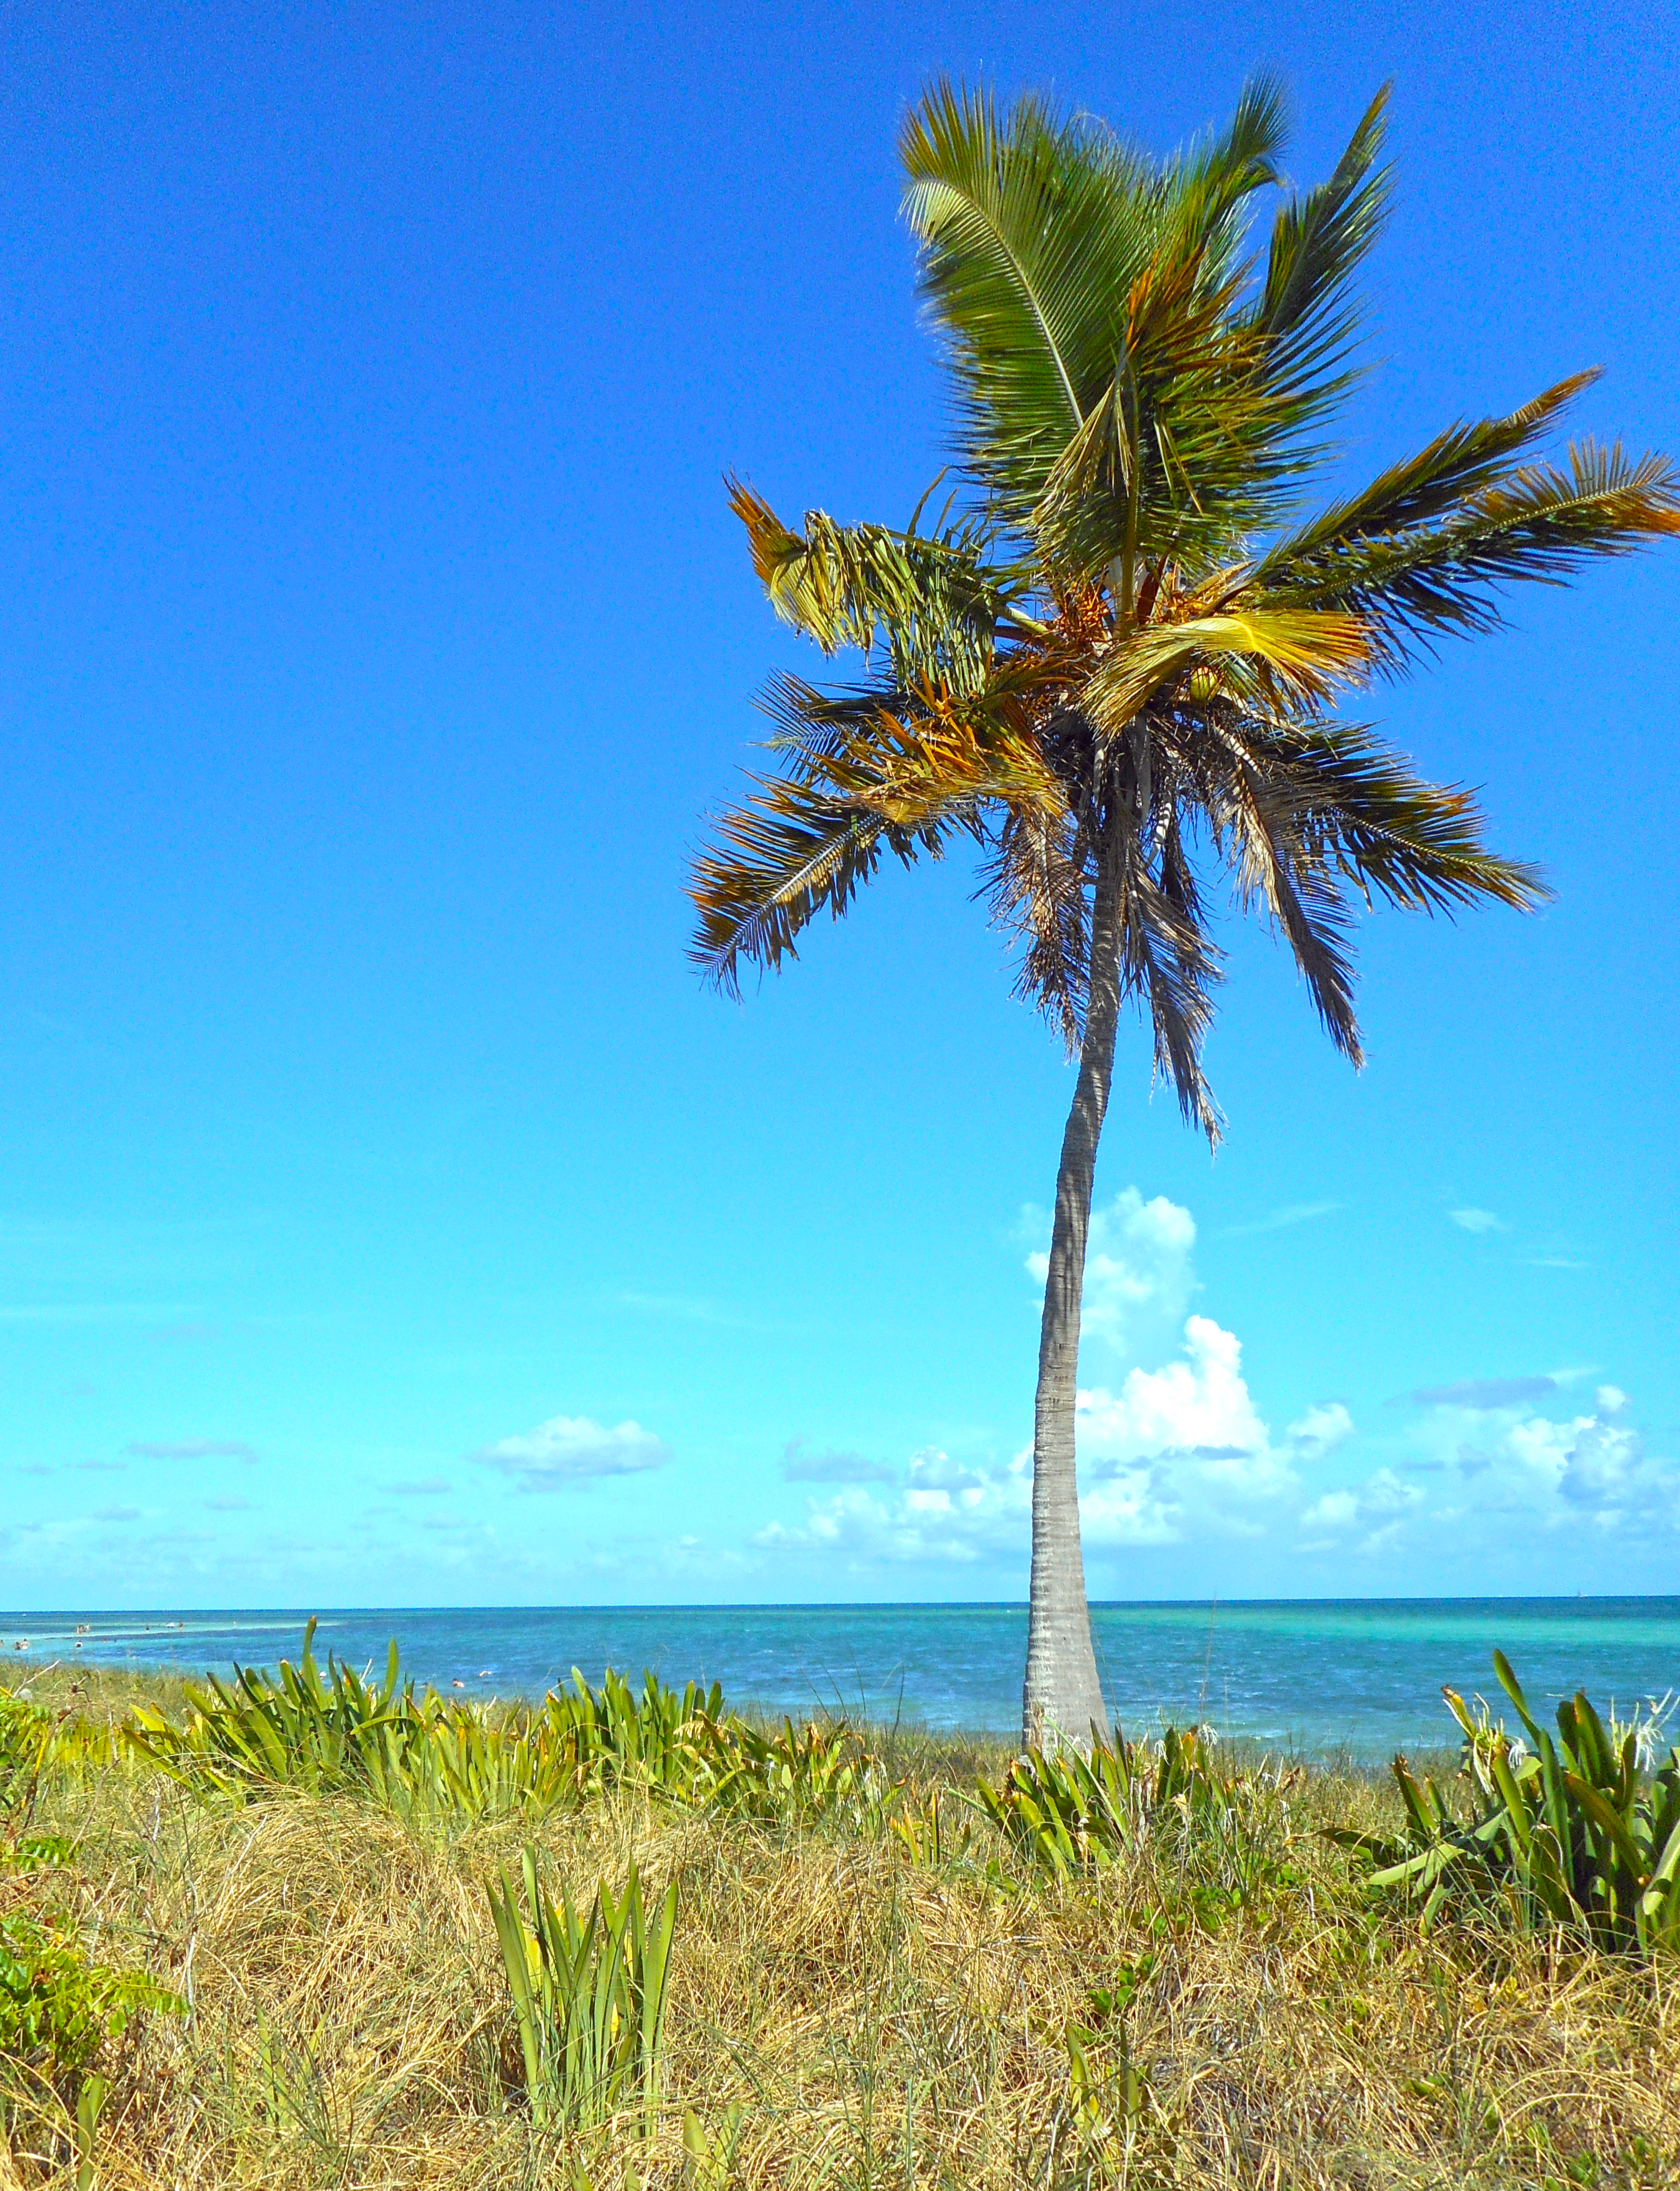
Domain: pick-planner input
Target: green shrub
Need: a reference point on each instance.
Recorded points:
(56, 2008)
(588, 1999)
(1576, 1831)
(806, 1774)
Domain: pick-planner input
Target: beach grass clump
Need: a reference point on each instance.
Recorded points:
(415, 1751)
(589, 1998)
(1580, 1830)
(1067, 1811)
(844, 1993)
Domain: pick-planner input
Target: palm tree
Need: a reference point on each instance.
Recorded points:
(1114, 665)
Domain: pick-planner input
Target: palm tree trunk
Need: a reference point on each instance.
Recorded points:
(1061, 1698)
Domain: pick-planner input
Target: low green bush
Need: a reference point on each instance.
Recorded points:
(57, 2009)
(413, 1751)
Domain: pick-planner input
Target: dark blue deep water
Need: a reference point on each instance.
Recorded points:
(1362, 1675)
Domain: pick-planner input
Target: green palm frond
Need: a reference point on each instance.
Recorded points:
(1317, 240)
(1310, 652)
(1390, 832)
(1419, 554)
(1033, 233)
(934, 602)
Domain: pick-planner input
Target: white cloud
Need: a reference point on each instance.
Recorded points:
(1139, 1279)
(1517, 1464)
(800, 1466)
(945, 1514)
(1477, 1221)
(570, 1449)
(1174, 1453)
(1320, 1429)
(1374, 1509)
(1174, 1448)
(1179, 1449)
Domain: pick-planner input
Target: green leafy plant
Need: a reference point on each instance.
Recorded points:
(588, 1999)
(801, 1773)
(1106, 2107)
(1575, 1829)
(1068, 1813)
(56, 2008)
(917, 1822)
(415, 1751)
(710, 2154)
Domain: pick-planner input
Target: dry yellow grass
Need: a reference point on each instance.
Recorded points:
(876, 2021)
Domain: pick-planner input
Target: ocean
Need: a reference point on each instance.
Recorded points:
(1359, 1676)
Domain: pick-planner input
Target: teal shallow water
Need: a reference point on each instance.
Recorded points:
(1362, 1675)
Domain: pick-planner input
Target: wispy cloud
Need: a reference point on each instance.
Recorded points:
(229, 1505)
(685, 1308)
(1484, 1393)
(799, 1466)
(419, 1487)
(1477, 1221)
(571, 1449)
(1278, 1220)
(192, 1449)
(75, 1312)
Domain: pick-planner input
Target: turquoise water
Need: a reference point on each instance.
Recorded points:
(1362, 1675)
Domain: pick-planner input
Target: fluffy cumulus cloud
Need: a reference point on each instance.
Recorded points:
(1182, 1450)
(1368, 1514)
(938, 1511)
(1139, 1274)
(1174, 1449)
(569, 1449)
(1174, 1453)
(1481, 1453)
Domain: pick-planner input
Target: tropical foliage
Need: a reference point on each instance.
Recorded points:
(1127, 644)
(413, 1751)
(1581, 1829)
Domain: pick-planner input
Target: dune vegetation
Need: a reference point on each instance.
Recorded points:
(320, 1929)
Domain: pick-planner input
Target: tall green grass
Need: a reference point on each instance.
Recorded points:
(416, 1753)
(588, 1999)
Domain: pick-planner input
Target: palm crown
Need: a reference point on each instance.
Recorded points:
(1116, 664)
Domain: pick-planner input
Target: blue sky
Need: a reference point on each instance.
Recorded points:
(385, 1214)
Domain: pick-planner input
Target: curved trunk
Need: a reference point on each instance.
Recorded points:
(1061, 1698)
